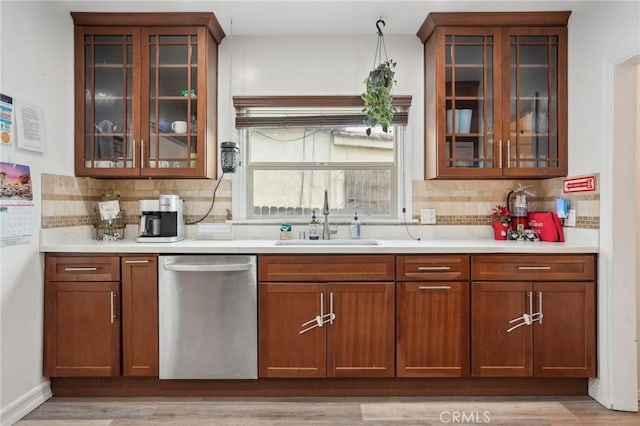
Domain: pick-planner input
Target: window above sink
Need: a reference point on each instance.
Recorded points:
(296, 147)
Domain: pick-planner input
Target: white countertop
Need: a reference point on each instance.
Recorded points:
(78, 240)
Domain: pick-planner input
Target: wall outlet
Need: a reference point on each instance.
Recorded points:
(570, 220)
(428, 216)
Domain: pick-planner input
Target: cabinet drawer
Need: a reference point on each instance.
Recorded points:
(533, 267)
(432, 268)
(82, 268)
(325, 268)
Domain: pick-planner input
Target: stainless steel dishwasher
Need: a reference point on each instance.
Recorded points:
(208, 317)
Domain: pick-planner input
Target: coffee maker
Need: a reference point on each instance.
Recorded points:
(161, 220)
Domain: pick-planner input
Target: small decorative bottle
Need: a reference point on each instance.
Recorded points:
(314, 227)
(355, 227)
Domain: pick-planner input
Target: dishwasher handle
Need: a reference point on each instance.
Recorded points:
(205, 267)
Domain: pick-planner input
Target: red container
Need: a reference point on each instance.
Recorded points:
(500, 230)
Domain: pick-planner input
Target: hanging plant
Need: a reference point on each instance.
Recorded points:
(378, 97)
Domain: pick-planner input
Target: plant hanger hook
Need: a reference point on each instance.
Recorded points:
(378, 22)
(380, 46)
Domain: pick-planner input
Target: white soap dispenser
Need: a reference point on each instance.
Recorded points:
(356, 227)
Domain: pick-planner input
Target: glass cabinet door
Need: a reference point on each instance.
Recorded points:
(171, 96)
(469, 101)
(532, 111)
(109, 102)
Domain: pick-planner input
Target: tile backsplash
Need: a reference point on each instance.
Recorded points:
(469, 202)
(70, 201)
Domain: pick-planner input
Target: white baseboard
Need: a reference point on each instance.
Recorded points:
(25, 404)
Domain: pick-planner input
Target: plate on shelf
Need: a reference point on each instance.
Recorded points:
(105, 126)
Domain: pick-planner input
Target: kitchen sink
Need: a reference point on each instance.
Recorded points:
(337, 242)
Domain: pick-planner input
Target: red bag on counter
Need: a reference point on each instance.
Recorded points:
(548, 226)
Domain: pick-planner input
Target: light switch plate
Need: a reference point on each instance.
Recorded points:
(428, 216)
(570, 220)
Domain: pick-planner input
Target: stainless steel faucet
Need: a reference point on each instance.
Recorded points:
(326, 232)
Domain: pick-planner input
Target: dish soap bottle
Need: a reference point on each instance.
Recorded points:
(314, 227)
(355, 227)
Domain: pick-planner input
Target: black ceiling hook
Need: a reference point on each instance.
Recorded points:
(378, 22)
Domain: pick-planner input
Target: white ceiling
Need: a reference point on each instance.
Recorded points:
(317, 17)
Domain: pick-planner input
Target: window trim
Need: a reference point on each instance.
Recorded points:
(243, 103)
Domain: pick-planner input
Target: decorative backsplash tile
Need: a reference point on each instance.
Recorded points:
(469, 202)
(70, 201)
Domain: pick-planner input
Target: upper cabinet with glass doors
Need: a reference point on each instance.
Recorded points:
(496, 94)
(146, 94)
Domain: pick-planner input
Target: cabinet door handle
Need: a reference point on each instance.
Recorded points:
(113, 309)
(508, 153)
(534, 268)
(141, 152)
(86, 269)
(318, 321)
(434, 268)
(136, 261)
(500, 153)
(540, 315)
(524, 319)
(133, 156)
(332, 316)
(434, 287)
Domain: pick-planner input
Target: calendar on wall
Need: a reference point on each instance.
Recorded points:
(16, 204)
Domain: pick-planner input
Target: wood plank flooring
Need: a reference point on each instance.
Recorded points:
(196, 411)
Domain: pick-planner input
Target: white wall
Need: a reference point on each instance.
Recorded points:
(37, 66)
(601, 35)
(598, 30)
(320, 65)
(37, 58)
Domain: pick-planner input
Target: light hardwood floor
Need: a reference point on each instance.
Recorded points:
(537, 411)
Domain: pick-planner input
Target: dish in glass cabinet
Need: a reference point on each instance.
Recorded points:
(105, 126)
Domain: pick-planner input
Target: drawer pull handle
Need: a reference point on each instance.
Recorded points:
(88, 269)
(434, 268)
(136, 261)
(534, 268)
(434, 287)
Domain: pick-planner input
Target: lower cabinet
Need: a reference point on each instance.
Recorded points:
(541, 327)
(432, 328)
(91, 317)
(82, 329)
(326, 329)
(139, 316)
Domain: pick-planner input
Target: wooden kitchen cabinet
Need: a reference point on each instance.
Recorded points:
(496, 94)
(562, 288)
(139, 316)
(297, 293)
(101, 315)
(82, 316)
(432, 311)
(362, 342)
(284, 351)
(136, 74)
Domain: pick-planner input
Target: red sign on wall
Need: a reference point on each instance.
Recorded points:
(579, 184)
